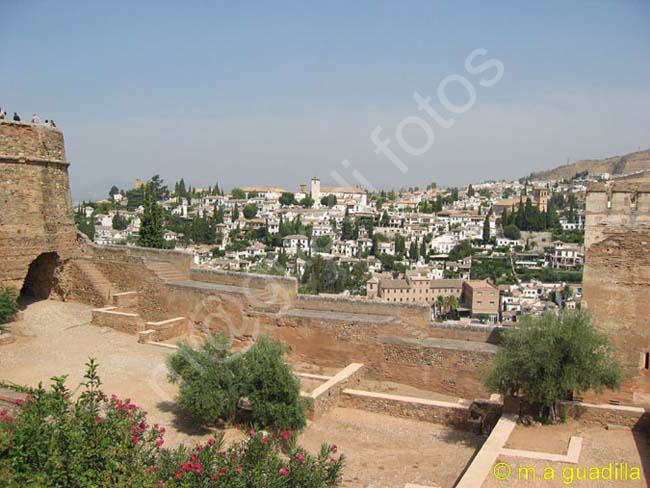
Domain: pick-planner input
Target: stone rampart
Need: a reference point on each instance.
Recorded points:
(616, 281)
(35, 205)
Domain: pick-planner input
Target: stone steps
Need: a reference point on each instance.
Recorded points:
(99, 282)
(166, 271)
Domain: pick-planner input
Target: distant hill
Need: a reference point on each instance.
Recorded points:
(632, 163)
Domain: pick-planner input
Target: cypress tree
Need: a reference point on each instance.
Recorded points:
(151, 227)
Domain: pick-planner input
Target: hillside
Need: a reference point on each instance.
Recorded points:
(618, 165)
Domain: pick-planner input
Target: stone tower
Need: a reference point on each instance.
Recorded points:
(315, 189)
(616, 283)
(37, 229)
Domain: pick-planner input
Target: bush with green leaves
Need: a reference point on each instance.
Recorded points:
(550, 358)
(52, 441)
(214, 382)
(8, 304)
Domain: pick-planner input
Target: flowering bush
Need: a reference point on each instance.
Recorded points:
(94, 441)
(262, 460)
(213, 380)
(100, 441)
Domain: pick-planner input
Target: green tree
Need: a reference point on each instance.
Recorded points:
(84, 224)
(347, 229)
(470, 191)
(486, 227)
(385, 219)
(287, 198)
(329, 200)
(238, 194)
(235, 213)
(250, 211)
(307, 202)
(113, 191)
(512, 232)
(135, 198)
(151, 226)
(157, 185)
(550, 358)
(119, 222)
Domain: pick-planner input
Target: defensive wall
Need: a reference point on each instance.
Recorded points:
(396, 342)
(616, 283)
(36, 221)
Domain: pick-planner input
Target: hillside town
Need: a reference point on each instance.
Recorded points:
(487, 253)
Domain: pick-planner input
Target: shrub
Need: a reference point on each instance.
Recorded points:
(8, 304)
(213, 381)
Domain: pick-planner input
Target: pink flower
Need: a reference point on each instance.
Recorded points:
(17, 401)
(159, 442)
(240, 469)
(285, 434)
(333, 448)
(211, 442)
(284, 471)
(251, 432)
(300, 457)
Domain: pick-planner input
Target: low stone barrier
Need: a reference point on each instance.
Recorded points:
(605, 414)
(163, 330)
(127, 299)
(456, 414)
(131, 323)
(326, 396)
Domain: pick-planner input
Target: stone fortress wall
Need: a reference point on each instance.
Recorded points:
(616, 285)
(36, 218)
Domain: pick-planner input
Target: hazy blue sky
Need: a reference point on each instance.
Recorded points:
(272, 93)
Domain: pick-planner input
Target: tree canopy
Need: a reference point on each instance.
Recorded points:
(552, 357)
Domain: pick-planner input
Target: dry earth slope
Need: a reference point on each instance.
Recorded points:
(632, 163)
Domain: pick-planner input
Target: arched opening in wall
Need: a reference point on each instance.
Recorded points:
(40, 279)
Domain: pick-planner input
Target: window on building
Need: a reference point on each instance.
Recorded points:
(646, 362)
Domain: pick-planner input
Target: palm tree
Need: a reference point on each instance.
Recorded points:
(451, 303)
(440, 303)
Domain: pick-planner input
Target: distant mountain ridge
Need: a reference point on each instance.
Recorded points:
(628, 164)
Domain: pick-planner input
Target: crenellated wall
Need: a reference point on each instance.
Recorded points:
(616, 283)
(35, 205)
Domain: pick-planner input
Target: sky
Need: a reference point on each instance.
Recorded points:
(274, 93)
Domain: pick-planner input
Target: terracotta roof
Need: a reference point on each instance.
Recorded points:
(394, 284)
(437, 284)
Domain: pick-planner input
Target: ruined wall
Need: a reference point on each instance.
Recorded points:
(616, 287)
(35, 204)
(395, 342)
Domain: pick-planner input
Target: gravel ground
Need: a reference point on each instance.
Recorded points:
(387, 452)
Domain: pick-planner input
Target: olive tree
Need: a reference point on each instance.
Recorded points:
(550, 358)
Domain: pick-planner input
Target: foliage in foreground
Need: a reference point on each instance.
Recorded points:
(549, 358)
(8, 304)
(98, 441)
(213, 382)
